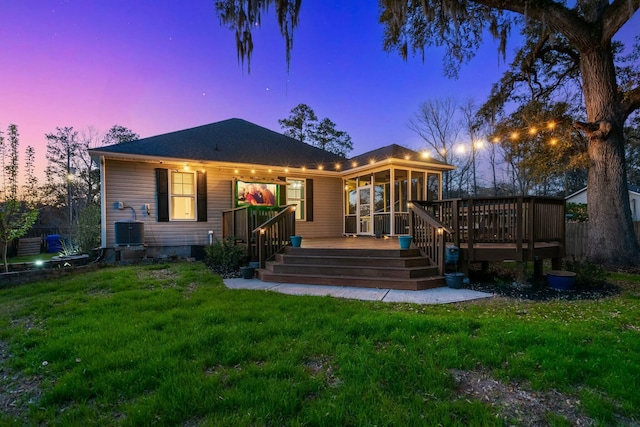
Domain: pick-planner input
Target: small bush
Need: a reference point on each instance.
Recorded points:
(88, 232)
(587, 272)
(69, 248)
(225, 256)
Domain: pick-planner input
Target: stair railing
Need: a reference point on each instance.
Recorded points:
(274, 234)
(428, 234)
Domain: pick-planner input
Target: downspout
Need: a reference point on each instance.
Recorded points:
(103, 204)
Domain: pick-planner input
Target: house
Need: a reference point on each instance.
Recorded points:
(167, 193)
(580, 197)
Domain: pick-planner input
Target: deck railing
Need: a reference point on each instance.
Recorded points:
(274, 234)
(240, 222)
(515, 220)
(429, 234)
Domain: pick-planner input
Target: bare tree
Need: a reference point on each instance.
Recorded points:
(437, 123)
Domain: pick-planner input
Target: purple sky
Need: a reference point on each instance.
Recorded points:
(160, 66)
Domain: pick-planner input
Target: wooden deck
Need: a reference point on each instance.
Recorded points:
(485, 229)
(491, 229)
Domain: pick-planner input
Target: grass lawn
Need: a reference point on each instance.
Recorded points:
(31, 258)
(170, 345)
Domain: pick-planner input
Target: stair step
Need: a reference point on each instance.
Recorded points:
(417, 261)
(353, 270)
(341, 252)
(414, 284)
(385, 268)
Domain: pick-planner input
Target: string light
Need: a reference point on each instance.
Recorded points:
(533, 131)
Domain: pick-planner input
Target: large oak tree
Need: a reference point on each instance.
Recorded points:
(588, 26)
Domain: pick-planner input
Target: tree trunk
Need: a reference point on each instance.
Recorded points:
(611, 237)
(5, 246)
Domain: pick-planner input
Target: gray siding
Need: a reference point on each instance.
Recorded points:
(134, 184)
(327, 211)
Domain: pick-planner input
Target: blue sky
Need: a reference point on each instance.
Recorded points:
(161, 66)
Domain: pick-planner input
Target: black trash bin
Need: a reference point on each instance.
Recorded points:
(452, 255)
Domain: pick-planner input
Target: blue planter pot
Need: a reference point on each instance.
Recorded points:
(247, 272)
(405, 241)
(296, 241)
(561, 280)
(454, 280)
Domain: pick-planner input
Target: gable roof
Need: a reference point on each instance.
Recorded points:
(393, 151)
(632, 189)
(232, 140)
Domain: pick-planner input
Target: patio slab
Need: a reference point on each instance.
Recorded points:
(429, 296)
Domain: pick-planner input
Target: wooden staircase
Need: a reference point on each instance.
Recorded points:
(402, 269)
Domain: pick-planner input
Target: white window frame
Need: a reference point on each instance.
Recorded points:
(192, 196)
(298, 201)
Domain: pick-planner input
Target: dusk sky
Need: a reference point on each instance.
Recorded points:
(161, 66)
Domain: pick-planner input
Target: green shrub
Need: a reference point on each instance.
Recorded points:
(225, 256)
(69, 248)
(587, 273)
(88, 233)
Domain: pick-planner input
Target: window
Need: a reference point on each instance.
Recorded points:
(296, 196)
(183, 196)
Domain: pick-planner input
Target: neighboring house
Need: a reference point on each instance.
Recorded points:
(176, 186)
(634, 200)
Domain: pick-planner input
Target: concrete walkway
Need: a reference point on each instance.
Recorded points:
(442, 295)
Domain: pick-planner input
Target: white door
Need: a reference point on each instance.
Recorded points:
(365, 224)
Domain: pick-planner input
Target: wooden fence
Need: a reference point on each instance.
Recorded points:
(577, 238)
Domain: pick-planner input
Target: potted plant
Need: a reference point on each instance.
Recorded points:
(247, 272)
(405, 241)
(561, 280)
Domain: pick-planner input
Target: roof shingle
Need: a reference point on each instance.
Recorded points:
(232, 140)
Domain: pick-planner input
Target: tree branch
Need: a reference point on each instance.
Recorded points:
(554, 15)
(598, 130)
(616, 15)
(631, 101)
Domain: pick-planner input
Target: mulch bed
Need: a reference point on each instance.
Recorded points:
(542, 292)
(536, 290)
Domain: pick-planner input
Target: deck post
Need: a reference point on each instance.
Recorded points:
(440, 245)
(471, 230)
(455, 223)
(411, 220)
(530, 228)
(519, 226)
(261, 250)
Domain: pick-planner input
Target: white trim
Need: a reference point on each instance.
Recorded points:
(194, 197)
(303, 199)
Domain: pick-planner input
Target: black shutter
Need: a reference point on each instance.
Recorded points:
(202, 196)
(162, 194)
(308, 188)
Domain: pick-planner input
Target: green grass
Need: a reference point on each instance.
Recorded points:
(170, 345)
(31, 258)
